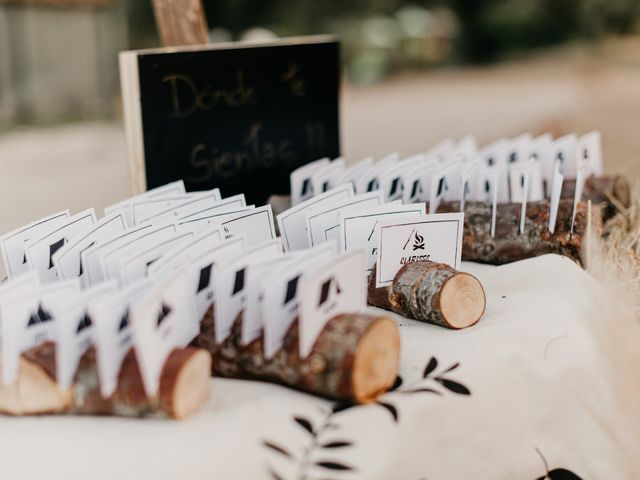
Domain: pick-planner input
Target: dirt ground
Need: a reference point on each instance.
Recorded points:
(575, 88)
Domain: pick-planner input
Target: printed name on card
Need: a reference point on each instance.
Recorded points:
(293, 222)
(325, 178)
(556, 190)
(12, 244)
(200, 243)
(198, 204)
(282, 291)
(230, 281)
(359, 230)
(28, 320)
(125, 206)
(318, 220)
(89, 257)
(252, 315)
(256, 225)
(434, 237)
(112, 332)
(336, 287)
(300, 178)
(203, 271)
(74, 330)
(134, 265)
(40, 249)
(67, 259)
(163, 320)
(109, 256)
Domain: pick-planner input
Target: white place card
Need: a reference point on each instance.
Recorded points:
(355, 171)
(109, 256)
(230, 281)
(112, 332)
(134, 266)
(359, 230)
(225, 205)
(318, 220)
(441, 148)
(282, 294)
(584, 168)
(27, 321)
(188, 207)
(556, 190)
(74, 330)
(201, 243)
(563, 150)
(147, 207)
(519, 149)
(540, 151)
(163, 320)
(90, 259)
(445, 185)
(256, 225)
(40, 249)
(417, 183)
(589, 150)
(435, 237)
(293, 222)
(67, 259)
(300, 178)
(12, 244)
(125, 206)
(325, 178)
(199, 223)
(370, 181)
(252, 315)
(203, 271)
(336, 287)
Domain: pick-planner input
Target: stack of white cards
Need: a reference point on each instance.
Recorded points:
(144, 275)
(520, 170)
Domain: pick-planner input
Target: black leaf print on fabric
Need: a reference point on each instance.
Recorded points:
(333, 466)
(431, 366)
(342, 406)
(455, 387)
(304, 423)
(396, 384)
(276, 448)
(556, 473)
(337, 444)
(392, 410)
(422, 390)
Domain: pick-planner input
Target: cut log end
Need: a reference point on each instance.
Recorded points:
(182, 388)
(462, 301)
(376, 360)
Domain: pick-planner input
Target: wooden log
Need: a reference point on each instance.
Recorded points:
(431, 292)
(355, 357)
(184, 386)
(508, 245)
(611, 192)
(181, 22)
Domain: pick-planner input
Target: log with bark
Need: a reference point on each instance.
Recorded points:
(611, 192)
(508, 245)
(184, 386)
(355, 357)
(431, 292)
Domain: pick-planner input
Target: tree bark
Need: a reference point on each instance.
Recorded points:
(184, 386)
(611, 192)
(509, 245)
(355, 357)
(181, 22)
(433, 293)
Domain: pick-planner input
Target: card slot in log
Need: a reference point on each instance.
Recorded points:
(184, 387)
(508, 244)
(355, 357)
(431, 292)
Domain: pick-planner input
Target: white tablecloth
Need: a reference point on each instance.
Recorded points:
(551, 371)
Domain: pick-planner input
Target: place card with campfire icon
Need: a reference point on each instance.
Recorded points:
(336, 287)
(435, 237)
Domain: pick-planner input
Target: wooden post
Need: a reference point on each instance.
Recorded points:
(181, 22)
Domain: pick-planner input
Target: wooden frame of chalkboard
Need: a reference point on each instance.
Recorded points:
(239, 116)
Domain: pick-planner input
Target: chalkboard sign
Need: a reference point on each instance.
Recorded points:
(236, 116)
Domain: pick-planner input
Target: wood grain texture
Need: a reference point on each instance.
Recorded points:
(181, 22)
